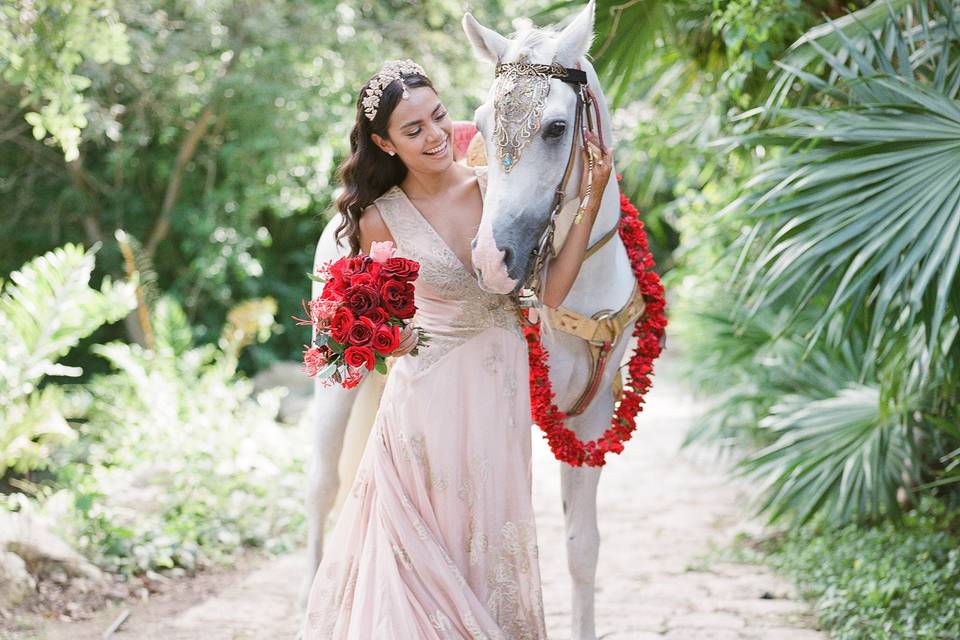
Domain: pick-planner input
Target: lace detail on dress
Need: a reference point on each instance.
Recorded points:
(516, 558)
(444, 282)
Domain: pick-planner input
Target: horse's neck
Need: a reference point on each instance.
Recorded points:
(605, 280)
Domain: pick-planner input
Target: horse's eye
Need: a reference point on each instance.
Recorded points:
(555, 130)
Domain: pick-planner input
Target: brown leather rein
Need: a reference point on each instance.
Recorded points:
(603, 329)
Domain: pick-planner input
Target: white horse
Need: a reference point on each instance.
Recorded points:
(521, 200)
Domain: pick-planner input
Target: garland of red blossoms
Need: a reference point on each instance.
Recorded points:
(649, 332)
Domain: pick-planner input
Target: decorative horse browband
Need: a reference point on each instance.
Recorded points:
(520, 95)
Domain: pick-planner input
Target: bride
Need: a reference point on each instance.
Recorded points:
(437, 538)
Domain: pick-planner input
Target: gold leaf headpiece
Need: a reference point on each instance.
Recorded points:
(392, 70)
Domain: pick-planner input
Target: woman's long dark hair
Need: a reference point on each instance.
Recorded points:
(370, 171)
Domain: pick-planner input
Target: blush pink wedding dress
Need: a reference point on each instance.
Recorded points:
(437, 539)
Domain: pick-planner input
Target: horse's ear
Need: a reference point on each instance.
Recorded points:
(487, 43)
(575, 39)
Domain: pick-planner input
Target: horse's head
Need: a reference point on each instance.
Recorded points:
(528, 128)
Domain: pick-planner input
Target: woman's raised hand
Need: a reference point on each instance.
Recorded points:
(602, 166)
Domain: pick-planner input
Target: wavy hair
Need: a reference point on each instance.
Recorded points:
(370, 171)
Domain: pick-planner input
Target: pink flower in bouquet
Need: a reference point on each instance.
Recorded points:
(352, 378)
(314, 359)
(321, 311)
(381, 251)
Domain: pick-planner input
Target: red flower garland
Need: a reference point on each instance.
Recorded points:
(649, 331)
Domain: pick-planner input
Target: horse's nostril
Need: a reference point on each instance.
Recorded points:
(507, 254)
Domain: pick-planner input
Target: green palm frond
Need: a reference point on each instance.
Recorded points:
(864, 204)
(843, 456)
(627, 36)
(896, 37)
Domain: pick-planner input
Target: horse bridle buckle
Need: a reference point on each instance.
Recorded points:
(606, 326)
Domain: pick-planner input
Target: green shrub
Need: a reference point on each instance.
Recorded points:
(45, 310)
(882, 582)
(178, 464)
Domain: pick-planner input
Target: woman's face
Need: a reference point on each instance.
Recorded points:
(420, 132)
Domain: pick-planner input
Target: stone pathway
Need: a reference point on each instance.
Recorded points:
(662, 512)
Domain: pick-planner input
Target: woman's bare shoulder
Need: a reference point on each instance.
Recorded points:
(372, 228)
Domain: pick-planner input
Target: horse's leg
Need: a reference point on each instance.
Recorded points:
(331, 414)
(579, 488)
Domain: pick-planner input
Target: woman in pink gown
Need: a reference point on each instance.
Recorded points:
(437, 538)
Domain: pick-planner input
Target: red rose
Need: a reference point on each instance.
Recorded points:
(361, 299)
(386, 339)
(357, 357)
(401, 269)
(361, 332)
(378, 315)
(340, 324)
(333, 289)
(398, 298)
(366, 279)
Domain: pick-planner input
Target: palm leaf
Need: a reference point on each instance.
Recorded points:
(865, 204)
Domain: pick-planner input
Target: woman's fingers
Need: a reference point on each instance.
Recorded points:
(408, 340)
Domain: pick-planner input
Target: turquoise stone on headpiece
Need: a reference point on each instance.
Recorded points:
(520, 94)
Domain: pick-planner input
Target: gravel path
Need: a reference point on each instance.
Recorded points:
(662, 513)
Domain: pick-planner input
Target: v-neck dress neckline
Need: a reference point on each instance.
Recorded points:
(443, 243)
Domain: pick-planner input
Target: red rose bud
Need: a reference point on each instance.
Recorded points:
(357, 357)
(361, 332)
(387, 339)
(340, 324)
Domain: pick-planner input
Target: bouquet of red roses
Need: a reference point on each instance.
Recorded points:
(359, 316)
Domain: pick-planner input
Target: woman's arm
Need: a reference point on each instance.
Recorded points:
(565, 267)
(374, 229)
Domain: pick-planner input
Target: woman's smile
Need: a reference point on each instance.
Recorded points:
(439, 150)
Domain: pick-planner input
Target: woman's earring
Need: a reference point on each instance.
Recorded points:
(391, 153)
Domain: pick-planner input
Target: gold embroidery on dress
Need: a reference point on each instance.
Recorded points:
(517, 553)
(402, 556)
(441, 622)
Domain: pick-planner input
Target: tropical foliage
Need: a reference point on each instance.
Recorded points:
(46, 308)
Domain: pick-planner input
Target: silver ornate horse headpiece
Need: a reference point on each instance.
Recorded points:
(520, 95)
(392, 70)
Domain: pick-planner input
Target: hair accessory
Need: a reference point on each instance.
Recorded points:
(392, 70)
